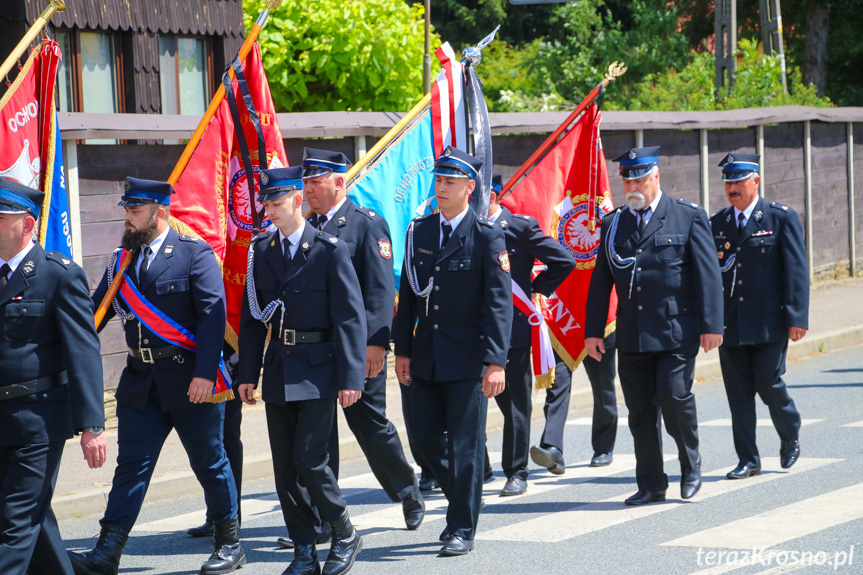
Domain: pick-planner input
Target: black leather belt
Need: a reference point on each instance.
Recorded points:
(151, 354)
(293, 337)
(33, 386)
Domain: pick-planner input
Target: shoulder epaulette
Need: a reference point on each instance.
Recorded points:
(779, 206)
(59, 258)
(421, 218)
(688, 203)
(368, 213)
(326, 238)
(522, 216)
(484, 222)
(185, 238)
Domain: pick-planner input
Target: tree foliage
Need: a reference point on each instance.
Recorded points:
(337, 55)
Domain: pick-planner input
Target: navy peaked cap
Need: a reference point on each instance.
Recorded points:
(17, 198)
(737, 167)
(137, 192)
(637, 162)
(279, 181)
(456, 163)
(319, 162)
(496, 182)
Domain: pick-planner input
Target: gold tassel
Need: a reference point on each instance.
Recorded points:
(222, 397)
(545, 380)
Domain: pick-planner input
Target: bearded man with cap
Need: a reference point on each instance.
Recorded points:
(313, 312)
(525, 243)
(51, 384)
(765, 276)
(451, 336)
(657, 252)
(173, 295)
(367, 237)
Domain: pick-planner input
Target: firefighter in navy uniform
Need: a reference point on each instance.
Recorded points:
(765, 277)
(657, 252)
(166, 385)
(526, 243)
(456, 291)
(367, 236)
(313, 312)
(50, 388)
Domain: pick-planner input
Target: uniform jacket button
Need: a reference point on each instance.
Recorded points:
(435, 307)
(437, 268)
(639, 250)
(436, 288)
(482, 337)
(638, 269)
(640, 308)
(435, 326)
(741, 298)
(638, 288)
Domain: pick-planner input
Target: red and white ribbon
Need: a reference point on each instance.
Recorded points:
(542, 351)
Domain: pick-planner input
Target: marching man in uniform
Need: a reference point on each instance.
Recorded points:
(657, 252)
(172, 303)
(766, 283)
(451, 336)
(525, 243)
(313, 312)
(50, 387)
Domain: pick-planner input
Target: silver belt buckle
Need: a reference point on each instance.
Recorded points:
(146, 355)
(289, 337)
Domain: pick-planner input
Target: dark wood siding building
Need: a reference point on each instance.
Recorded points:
(124, 45)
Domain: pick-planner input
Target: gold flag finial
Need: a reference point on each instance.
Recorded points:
(273, 5)
(615, 70)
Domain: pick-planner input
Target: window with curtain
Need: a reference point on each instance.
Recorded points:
(184, 76)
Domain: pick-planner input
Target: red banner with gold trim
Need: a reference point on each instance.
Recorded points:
(563, 191)
(213, 201)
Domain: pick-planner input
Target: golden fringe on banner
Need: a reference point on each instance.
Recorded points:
(226, 395)
(545, 380)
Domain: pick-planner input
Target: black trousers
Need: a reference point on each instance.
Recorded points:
(455, 410)
(751, 369)
(233, 443)
(299, 434)
(378, 439)
(655, 384)
(515, 405)
(30, 541)
(601, 376)
(438, 454)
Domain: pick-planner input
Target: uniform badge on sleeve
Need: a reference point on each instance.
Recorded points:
(720, 254)
(503, 258)
(385, 249)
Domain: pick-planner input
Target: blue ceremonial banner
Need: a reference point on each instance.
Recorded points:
(58, 230)
(399, 184)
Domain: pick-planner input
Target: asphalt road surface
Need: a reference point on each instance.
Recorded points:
(806, 520)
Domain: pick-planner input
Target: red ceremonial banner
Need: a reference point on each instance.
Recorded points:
(560, 192)
(213, 201)
(27, 116)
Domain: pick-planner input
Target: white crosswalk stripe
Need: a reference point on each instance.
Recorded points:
(762, 422)
(783, 524)
(556, 527)
(855, 424)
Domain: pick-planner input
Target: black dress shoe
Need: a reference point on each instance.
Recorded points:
(428, 483)
(549, 457)
(743, 471)
(514, 486)
(414, 508)
(228, 554)
(690, 480)
(454, 546)
(643, 497)
(305, 561)
(789, 453)
(344, 548)
(601, 459)
(205, 530)
(445, 534)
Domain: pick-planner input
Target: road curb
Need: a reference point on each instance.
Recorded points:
(261, 466)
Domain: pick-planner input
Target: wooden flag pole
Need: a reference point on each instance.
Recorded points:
(35, 29)
(190, 149)
(614, 70)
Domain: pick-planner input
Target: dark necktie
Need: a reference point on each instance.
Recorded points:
(642, 218)
(145, 265)
(286, 243)
(447, 230)
(321, 221)
(4, 273)
(740, 224)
